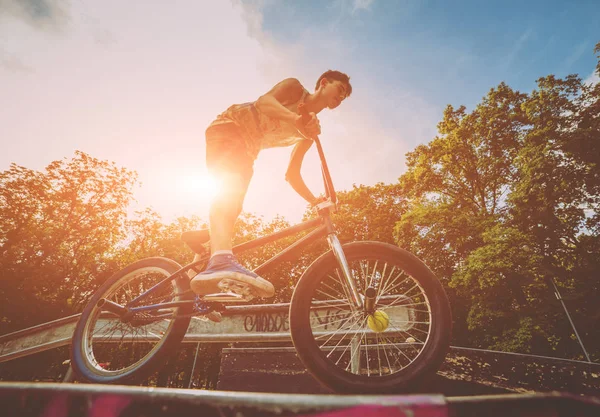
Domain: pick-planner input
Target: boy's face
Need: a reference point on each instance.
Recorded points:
(334, 92)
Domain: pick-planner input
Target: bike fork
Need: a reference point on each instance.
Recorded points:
(336, 247)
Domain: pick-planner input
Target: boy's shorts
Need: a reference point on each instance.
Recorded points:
(226, 152)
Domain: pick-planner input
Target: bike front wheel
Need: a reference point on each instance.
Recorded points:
(391, 348)
(107, 348)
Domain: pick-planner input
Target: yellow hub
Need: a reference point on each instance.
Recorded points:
(378, 321)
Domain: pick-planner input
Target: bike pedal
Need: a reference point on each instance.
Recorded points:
(237, 287)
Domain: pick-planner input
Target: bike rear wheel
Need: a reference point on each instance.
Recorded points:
(108, 349)
(334, 339)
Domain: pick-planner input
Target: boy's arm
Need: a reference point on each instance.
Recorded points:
(286, 92)
(292, 174)
(273, 103)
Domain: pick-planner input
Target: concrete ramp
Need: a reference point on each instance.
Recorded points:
(266, 369)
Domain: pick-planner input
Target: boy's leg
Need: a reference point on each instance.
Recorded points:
(224, 211)
(222, 216)
(234, 169)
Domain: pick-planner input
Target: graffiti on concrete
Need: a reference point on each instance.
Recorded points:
(267, 322)
(323, 319)
(331, 319)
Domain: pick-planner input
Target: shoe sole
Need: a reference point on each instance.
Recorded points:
(203, 285)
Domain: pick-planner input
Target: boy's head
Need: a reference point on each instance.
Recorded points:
(335, 86)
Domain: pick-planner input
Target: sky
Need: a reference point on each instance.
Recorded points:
(137, 82)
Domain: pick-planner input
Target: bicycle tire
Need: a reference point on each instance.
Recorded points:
(88, 367)
(331, 374)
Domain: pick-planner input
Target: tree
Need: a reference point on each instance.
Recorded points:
(505, 199)
(556, 201)
(455, 185)
(56, 227)
(369, 212)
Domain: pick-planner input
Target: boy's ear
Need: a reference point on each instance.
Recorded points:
(324, 82)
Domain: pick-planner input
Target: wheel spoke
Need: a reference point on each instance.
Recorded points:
(405, 293)
(335, 333)
(331, 297)
(365, 274)
(348, 345)
(333, 289)
(372, 276)
(397, 348)
(410, 335)
(344, 285)
(341, 339)
(390, 285)
(383, 283)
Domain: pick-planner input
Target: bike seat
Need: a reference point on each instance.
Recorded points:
(195, 239)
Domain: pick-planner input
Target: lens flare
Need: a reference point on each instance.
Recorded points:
(204, 186)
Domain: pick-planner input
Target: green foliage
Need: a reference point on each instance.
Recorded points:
(369, 212)
(56, 228)
(506, 198)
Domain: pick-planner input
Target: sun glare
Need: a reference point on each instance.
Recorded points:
(204, 186)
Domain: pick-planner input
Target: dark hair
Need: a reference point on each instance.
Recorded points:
(332, 75)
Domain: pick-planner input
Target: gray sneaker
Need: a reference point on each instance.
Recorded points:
(223, 272)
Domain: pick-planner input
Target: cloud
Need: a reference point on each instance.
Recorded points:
(40, 14)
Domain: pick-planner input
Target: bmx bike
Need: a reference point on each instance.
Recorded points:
(387, 327)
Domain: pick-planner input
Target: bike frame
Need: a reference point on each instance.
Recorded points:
(323, 227)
